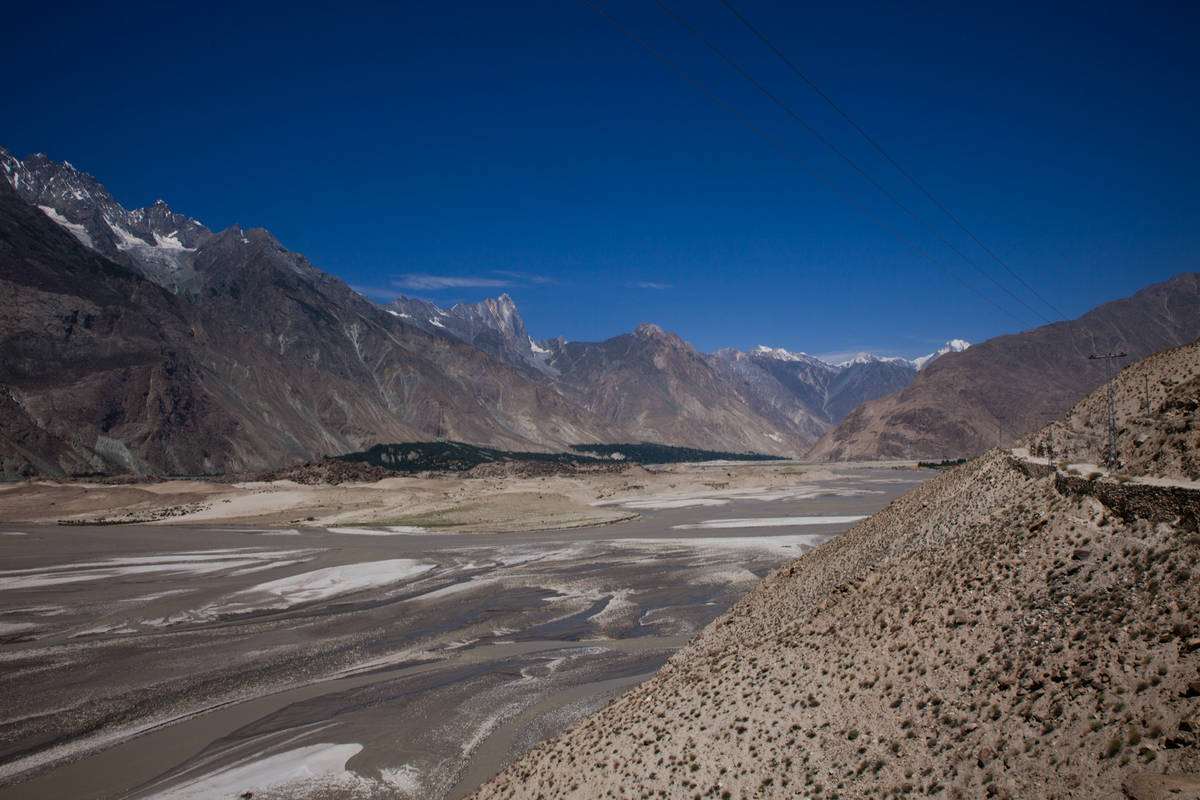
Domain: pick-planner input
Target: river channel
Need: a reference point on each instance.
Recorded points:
(195, 662)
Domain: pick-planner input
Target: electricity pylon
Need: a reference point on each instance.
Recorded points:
(1110, 458)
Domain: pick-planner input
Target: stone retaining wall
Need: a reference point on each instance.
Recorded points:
(1171, 504)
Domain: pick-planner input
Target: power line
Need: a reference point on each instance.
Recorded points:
(890, 160)
(783, 149)
(846, 159)
(1110, 454)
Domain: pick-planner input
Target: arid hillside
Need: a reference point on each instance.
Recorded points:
(1157, 409)
(991, 633)
(1001, 389)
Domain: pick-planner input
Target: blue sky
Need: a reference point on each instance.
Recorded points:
(457, 150)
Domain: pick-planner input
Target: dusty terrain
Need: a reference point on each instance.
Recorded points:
(1157, 407)
(984, 635)
(496, 498)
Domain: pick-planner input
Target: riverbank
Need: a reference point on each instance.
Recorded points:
(490, 502)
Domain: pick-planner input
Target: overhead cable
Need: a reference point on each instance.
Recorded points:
(832, 147)
(792, 156)
(887, 156)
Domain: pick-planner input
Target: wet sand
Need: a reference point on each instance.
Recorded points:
(200, 660)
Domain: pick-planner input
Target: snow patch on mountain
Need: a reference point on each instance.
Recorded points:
(779, 353)
(125, 239)
(75, 229)
(171, 242)
(869, 358)
(493, 325)
(952, 346)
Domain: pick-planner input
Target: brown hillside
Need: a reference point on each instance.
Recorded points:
(998, 390)
(1161, 439)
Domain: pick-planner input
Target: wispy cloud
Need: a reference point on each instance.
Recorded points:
(525, 277)
(651, 285)
(426, 282)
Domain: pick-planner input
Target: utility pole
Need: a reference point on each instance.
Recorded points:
(1147, 394)
(1110, 458)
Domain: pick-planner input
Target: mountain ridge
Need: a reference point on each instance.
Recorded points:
(247, 357)
(270, 361)
(999, 389)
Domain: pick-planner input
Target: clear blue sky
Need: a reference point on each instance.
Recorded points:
(455, 150)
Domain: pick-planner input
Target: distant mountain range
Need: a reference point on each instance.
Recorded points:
(1005, 387)
(141, 341)
(648, 377)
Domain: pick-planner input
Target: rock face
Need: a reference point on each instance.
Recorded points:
(493, 325)
(141, 341)
(995, 391)
(656, 383)
(256, 360)
(984, 635)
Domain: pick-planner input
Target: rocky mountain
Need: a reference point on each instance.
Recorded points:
(995, 391)
(809, 394)
(815, 394)
(246, 357)
(493, 326)
(795, 384)
(654, 382)
(993, 633)
(154, 241)
(952, 346)
(142, 341)
(295, 365)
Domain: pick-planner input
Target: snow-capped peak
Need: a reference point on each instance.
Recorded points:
(861, 358)
(779, 353)
(952, 346)
(871, 358)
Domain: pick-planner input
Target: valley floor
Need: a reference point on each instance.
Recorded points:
(444, 501)
(349, 660)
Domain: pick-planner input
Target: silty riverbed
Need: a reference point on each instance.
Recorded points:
(189, 662)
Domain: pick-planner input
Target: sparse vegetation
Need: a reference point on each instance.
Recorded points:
(1035, 644)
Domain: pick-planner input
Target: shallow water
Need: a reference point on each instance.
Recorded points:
(195, 662)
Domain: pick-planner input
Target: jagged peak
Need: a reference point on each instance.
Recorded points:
(648, 329)
(779, 353)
